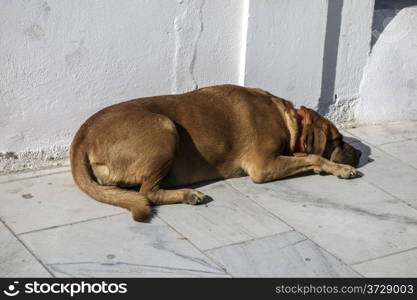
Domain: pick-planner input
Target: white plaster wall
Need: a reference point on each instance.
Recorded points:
(221, 43)
(354, 45)
(312, 52)
(389, 87)
(285, 45)
(62, 60)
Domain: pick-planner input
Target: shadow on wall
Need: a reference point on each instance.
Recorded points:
(385, 12)
(331, 46)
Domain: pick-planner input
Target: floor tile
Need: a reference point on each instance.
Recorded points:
(405, 151)
(15, 259)
(348, 137)
(386, 133)
(119, 247)
(309, 226)
(350, 218)
(229, 219)
(46, 201)
(390, 174)
(397, 265)
(284, 255)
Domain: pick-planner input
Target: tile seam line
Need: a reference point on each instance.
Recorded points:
(383, 151)
(69, 224)
(252, 238)
(260, 206)
(388, 193)
(305, 235)
(31, 253)
(374, 145)
(336, 257)
(255, 239)
(207, 251)
(382, 256)
(394, 157)
(304, 238)
(350, 265)
(195, 246)
(395, 142)
(34, 176)
(378, 124)
(296, 230)
(293, 229)
(378, 186)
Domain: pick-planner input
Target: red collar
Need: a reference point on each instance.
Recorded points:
(301, 118)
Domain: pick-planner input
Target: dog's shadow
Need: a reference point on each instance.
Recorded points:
(354, 142)
(365, 149)
(364, 160)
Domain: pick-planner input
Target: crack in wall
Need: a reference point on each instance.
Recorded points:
(188, 26)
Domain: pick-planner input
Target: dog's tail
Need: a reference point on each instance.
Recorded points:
(83, 177)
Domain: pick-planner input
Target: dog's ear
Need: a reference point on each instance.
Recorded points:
(315, 141)
(310, 116)
(316, 132)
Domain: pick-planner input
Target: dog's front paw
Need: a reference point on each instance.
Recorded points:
(196, 197)
(318, 170)
(347, 172)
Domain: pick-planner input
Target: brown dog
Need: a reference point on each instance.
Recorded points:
(212, 133)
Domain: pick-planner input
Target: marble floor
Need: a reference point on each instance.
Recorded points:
(305, 226)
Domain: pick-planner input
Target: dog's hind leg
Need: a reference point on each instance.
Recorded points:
(159, 196)
(154, 162)
(150, 186)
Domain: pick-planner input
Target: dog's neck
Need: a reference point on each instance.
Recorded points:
(299, 147)
(295, 120)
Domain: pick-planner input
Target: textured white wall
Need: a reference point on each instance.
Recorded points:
(353, 47)
(285, 44)
(311, 52)
(62, 60)
(389, 87)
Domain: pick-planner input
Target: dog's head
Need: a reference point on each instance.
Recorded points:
(321, 137)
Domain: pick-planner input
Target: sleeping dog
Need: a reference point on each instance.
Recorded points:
(218, 132)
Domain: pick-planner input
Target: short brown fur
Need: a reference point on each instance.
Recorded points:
(212, 133)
